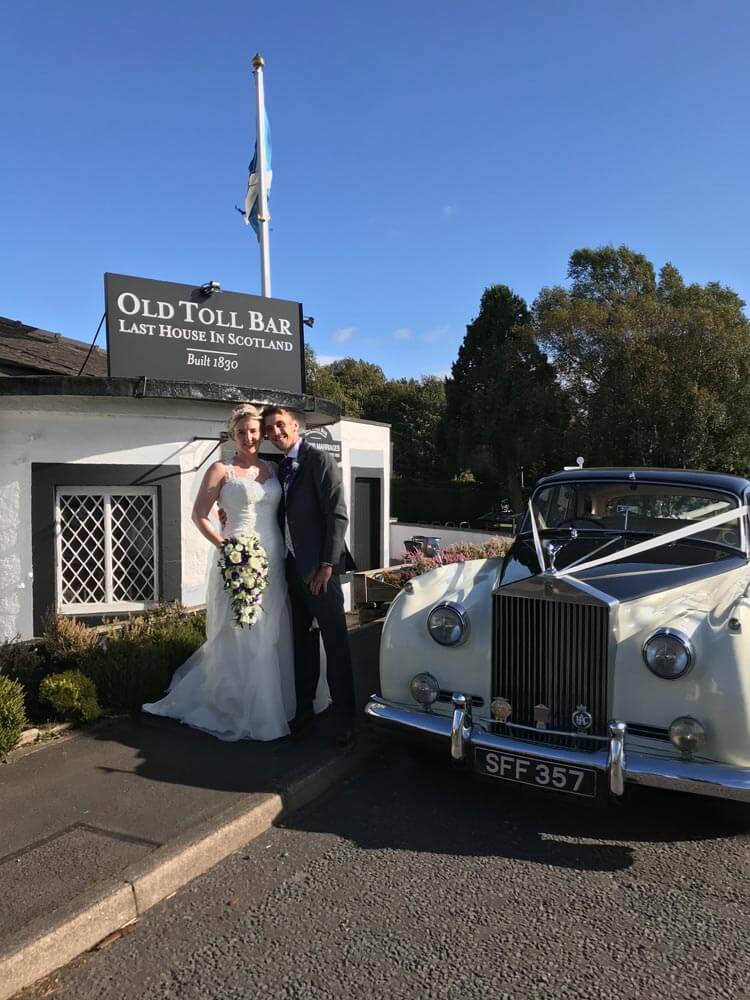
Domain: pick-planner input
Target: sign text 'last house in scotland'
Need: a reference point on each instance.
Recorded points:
(165, 330)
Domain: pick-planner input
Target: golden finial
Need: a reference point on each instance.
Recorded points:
(258, 61)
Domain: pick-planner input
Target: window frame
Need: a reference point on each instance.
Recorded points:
(46, 476)
(109, 604)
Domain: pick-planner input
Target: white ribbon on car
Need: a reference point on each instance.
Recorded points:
(537, 540)
(648, 545)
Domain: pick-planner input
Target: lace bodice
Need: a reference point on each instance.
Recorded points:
(251, 505)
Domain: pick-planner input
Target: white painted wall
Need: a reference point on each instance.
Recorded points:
(96, 430)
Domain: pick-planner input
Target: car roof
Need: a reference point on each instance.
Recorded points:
(675, 477)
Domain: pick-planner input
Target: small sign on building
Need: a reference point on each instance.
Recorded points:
(165, 330)
(322, 439)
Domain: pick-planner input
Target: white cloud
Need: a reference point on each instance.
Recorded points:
(449, 211)
(403, 333)
(436, 333)
(341, 336)
(327, 359)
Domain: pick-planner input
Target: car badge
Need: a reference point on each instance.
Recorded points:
(501, 709)
(541, 716)
(581, 718)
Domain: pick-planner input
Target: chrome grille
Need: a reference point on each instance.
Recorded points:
(553, 653)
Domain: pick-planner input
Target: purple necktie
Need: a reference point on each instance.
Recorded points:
(285, 471)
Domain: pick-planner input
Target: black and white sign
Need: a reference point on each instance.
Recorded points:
(170, 331)
(322, 439)
(533, 771)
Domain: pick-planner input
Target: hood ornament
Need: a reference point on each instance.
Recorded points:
(554, 548)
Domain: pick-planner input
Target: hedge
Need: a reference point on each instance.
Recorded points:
(414, 501)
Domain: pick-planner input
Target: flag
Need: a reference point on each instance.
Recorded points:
(251, 198)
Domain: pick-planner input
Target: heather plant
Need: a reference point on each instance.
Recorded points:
(66, 641)
(415, 563)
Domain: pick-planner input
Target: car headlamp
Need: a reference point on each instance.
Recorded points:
(424, 689)
(668, 653)
(448, 624)
(687, 734)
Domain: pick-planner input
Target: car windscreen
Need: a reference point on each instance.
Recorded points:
(647, 508)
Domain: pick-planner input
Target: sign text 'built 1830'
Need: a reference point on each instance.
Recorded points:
(165, 330)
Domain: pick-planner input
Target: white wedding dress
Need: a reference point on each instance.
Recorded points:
(240, 683)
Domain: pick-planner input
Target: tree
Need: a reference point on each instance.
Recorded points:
(658, 372)
(347, 382)
(311, 369)
(506, 410)
(415, 409)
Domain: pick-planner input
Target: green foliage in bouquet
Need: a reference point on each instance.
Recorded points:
(12, 714)
(72, 695)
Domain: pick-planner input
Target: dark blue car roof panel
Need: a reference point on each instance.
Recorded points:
(678, 477)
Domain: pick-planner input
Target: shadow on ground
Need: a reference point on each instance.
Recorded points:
(417, 802)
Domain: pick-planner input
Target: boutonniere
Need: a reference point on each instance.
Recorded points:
(295, 465)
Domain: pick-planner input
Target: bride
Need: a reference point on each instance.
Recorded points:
(240, 683)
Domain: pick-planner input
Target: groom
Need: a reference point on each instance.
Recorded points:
(313, 518)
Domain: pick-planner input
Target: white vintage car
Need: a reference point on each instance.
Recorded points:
(611, 645)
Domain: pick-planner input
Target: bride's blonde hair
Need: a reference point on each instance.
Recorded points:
(244, 412)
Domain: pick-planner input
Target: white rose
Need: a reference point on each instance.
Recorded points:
(235, 557)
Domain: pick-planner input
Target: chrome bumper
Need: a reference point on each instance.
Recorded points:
(462, 734)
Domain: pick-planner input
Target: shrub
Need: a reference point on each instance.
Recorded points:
(12, 714)
(21, 662)
(66, 641)
(135, 665)
(72, 695)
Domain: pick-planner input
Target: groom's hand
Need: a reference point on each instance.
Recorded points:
(319, 583)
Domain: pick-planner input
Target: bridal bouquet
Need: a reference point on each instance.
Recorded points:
(244, 572)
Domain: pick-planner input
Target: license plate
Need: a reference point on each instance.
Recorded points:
(536, 772)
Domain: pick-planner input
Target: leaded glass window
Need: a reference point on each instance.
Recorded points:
(106, 548)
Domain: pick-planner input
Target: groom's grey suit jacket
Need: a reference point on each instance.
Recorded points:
(315, 512)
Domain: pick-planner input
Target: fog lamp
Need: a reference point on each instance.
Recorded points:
(687, 734)
(668, 653)
(424, 689)
(448, 624)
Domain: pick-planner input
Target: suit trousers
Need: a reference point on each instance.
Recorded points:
(328, 609)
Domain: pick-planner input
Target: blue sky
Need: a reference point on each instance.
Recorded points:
(422, 151)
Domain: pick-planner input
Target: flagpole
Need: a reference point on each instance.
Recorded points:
(260, 146)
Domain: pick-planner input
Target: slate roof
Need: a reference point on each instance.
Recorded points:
(27, 350)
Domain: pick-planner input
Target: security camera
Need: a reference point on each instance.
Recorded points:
(210, 288)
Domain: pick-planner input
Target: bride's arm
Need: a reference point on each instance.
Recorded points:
(208, 494)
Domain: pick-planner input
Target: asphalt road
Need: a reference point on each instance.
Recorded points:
(414, 881)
